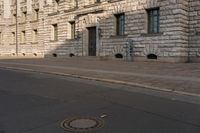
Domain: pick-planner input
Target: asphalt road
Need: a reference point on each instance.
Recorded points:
(38, 103)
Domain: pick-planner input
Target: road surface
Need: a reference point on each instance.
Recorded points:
(38, 103)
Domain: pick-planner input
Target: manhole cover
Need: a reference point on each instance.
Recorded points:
(82, 124)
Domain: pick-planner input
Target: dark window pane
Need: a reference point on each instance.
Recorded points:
(55, 26)
(73, 28)
(153, 20)
(120, 18)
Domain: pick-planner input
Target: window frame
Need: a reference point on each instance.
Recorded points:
(35, 36)
(56, 4)
(13, 37)
(14, 17)
(120, 24)
(55, 32)
(23, 37)
(97, 1)
(24, 16)
(1, 38)
(153, 20)
(73, 29)
(36, 14)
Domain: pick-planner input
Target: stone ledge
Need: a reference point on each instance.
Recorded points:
(90, 11)
(34, 21)
(118, 36)
(22, 43)
(53, 41)
(112, 1)
(12, 24)
(93, 5)
(152, 34)
(22, 23)
(34, 43)
(54, 13)
(71, 10)
(75, 39)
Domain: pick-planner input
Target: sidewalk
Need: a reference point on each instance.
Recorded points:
(181, 78)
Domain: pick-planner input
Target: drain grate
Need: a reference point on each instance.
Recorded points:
(82, 124)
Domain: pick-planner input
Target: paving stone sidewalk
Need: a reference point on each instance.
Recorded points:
(178, 77)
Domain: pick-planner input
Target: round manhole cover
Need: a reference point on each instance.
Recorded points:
(82, 124)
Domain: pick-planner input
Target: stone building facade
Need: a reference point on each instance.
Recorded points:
(138, 30)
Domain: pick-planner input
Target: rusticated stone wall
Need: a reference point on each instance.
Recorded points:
(194, 31)
(177, 41)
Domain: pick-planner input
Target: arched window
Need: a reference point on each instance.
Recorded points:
(118, 56)
(71, 55)
(152, 56)
(54, 55)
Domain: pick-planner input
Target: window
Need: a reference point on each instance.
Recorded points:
(76, 3)
(14, 18)
(23, 37)
(98, 1)
(56, 5)
(36, 14)
(54, 32)
(152, 56)
(120, 21)
(0, 38)
(153, 20)
(13, 38)
(35, 35)
(73, 29)
(24, 14)
(119, 56)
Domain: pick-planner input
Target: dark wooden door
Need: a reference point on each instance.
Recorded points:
(92, 41)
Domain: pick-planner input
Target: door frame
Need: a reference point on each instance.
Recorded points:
(88, 40)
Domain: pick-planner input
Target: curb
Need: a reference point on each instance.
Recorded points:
(104, 80)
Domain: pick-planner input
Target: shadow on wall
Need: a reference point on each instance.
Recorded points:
(109, 46)
(76, 48)
(106, 46)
